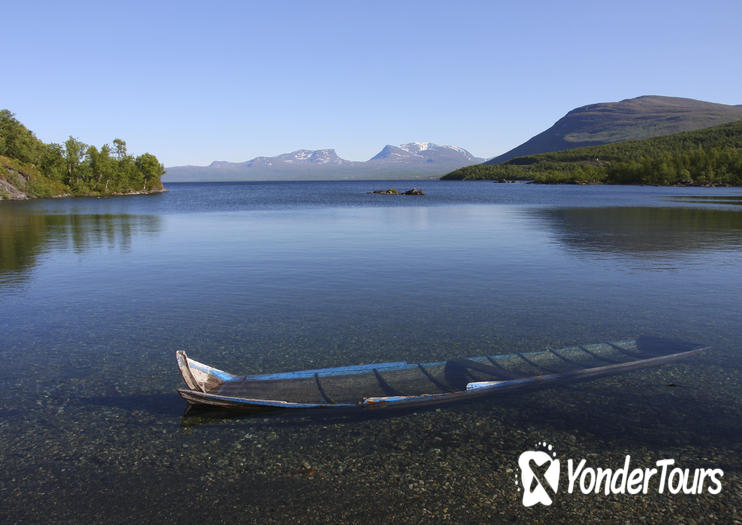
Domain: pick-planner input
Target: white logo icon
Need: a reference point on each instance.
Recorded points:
(539, 474)
(539, 477)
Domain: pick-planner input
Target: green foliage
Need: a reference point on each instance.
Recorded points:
(75, 168)
(150, 169)
(712, 156)
(16, 141)
(27, 178)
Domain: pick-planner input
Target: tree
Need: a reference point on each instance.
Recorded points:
(74, 153)
(151, 170)
(17, 141)
(52, 162)
(119, 147)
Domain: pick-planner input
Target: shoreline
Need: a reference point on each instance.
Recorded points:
(26, 197)
(606, 184)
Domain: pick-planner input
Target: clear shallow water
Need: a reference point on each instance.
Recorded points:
(97, 294)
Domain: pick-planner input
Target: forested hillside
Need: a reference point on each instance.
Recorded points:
(32, 168)
(631, 119)
(711, 156)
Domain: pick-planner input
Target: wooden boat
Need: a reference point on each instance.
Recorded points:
(401, 384)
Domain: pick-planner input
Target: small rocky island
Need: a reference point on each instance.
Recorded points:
(393, 191)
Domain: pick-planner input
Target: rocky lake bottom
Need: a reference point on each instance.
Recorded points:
(96, 295)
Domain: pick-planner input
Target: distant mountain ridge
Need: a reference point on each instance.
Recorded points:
(411, 160)
(631, 119)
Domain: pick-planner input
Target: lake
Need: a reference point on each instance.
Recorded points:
(96, 295)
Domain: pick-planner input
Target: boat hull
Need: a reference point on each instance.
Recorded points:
(400, 384)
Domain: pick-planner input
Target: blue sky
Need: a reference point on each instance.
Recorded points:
(194, 82)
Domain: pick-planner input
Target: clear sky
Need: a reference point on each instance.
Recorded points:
(194, 82)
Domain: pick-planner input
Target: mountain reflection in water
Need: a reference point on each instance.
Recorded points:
(644, 231)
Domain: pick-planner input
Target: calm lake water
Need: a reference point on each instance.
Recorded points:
(96, 295)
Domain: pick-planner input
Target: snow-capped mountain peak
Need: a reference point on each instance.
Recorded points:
(302, 154)
(417, 147)
(424, 153)
(416, 159)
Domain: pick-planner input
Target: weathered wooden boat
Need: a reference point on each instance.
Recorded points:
(401, 384)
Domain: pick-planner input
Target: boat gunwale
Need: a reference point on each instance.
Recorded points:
(367, 368)
(490, 387)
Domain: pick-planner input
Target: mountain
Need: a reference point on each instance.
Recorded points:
(302, 157)
(412, 160)
(706, 157)
(630, 119)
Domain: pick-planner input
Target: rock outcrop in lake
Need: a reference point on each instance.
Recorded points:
(393, 191)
